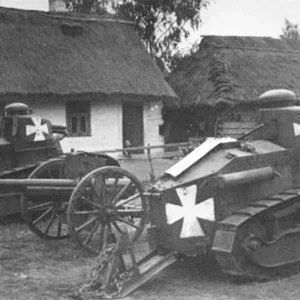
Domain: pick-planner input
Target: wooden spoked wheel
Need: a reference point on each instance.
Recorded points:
(46, 215)
(106, 203)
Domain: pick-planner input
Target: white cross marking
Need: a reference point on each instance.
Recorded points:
(38, 129)
(190, 211)
(296, 129)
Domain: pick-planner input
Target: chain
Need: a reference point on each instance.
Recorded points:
(97, 285)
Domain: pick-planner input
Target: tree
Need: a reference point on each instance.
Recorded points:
(290, 31)
(162, 25)
(88, 6)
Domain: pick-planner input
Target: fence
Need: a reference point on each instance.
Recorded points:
(181, 150)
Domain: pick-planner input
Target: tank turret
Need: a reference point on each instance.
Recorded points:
(15, 109)
(25, 138)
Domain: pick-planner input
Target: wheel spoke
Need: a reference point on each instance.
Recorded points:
(59, 225)
(110, 238)
(102, 236)
(127, 222)
(94, 182)
(92, 203)
(42, 216)
(123, 191)
(91, 234)
(89, 222)
(125, 201)
(61, 172)
(114, 188)
(50, 173)
(50, 224)
(92, 185)
(135, 213)
(45, 218)
(117, 226)
(86, 212)
(109, 229)
(39, 206)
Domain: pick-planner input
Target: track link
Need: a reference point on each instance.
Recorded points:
(261, 241)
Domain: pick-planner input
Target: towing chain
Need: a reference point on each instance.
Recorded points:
(99, 285)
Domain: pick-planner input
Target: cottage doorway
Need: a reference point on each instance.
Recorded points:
(133, 125)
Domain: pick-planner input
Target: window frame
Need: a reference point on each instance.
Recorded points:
(72, 113)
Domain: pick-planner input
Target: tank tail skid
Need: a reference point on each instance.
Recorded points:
(150, 266)
(261, 241)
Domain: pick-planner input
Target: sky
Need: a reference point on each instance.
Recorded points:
(26, 4)
(247, 18)
(222, 17)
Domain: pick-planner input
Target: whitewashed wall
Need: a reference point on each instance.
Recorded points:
(106, 124)
(106, 129)
(55, 112)
(152, 120)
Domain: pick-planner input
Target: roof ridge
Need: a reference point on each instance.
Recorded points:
(83, 19)
(256, 49)
(69, 15)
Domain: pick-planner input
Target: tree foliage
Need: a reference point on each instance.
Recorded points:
(290, 31)
(162, 25)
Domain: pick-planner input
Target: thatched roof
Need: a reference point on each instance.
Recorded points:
(234, 70)
(44, 53)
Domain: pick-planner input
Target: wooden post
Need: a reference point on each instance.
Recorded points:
(152, 175)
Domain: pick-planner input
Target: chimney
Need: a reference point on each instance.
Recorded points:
(57, 5)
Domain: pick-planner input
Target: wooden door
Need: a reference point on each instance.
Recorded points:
(133, 124)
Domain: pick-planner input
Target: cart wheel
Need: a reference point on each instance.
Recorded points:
(107, 202)
(46, 217)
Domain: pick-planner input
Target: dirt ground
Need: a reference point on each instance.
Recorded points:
(35, 269)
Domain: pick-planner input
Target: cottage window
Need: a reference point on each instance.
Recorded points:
(78, 118)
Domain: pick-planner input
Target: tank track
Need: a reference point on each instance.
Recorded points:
(261, 241)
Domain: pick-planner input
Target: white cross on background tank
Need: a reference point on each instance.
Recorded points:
(190, 211)
(38, 129)
(296, 129)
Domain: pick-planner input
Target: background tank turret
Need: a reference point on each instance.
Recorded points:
(29, 147)
(25, 140)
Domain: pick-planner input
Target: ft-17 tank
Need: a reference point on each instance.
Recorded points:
(26, 141)
(236, 199)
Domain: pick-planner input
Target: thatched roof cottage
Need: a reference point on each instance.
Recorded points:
(225, 77)
(93, 75)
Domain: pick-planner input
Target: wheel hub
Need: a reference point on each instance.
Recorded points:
(107, 214)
